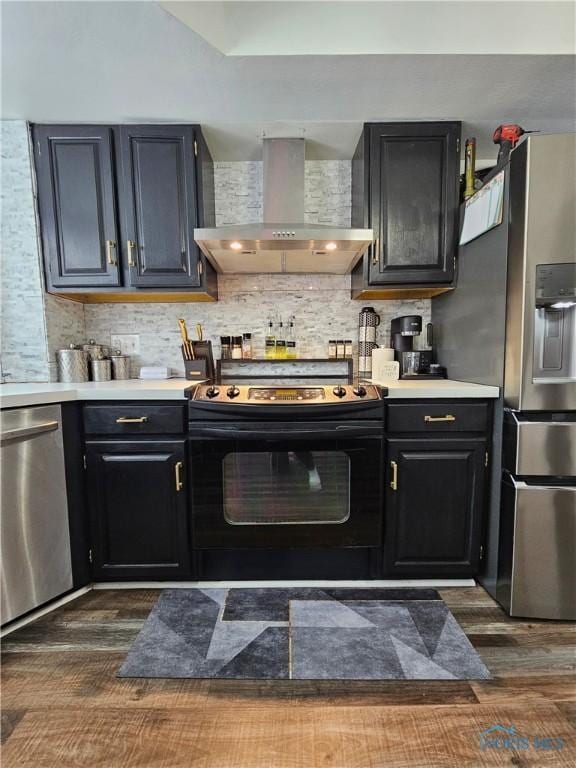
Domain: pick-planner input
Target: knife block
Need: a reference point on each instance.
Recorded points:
(196, 370)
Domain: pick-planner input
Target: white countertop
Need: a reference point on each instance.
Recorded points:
(16, 395)
(436, 388)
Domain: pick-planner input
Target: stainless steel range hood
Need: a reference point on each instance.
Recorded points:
(283, 243)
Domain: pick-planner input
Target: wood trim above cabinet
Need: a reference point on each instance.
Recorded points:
(135, 297)
(413, 292)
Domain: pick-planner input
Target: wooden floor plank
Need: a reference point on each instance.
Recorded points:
(64, 706)
(514, 688)
(357, 737)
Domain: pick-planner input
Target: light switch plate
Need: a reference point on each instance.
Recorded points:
(127, 343)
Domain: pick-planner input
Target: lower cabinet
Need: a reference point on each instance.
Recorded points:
(138, 511)
(434, 502)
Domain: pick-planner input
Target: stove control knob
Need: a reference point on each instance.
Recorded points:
(212, 392)
(339, 391)
(232, 392)
(359, 391)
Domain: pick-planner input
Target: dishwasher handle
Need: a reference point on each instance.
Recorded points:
(31, 430)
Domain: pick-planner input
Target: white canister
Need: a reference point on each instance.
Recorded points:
(383, 365)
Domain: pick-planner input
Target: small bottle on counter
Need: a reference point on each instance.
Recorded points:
(247, 346)
(332, 349)
(270, 341)
(340, 349)
(236, 347)
(348, 349)
(225, 348)
(280, 342)
(291, 348)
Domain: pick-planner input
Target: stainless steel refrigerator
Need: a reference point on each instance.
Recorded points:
(511, 322)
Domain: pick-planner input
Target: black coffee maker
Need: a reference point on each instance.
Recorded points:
(414, 364)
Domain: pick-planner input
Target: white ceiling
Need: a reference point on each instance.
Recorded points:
(358, 27)
(133, 61)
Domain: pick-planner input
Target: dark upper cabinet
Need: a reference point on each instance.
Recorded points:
(434, 503)
(118, 207)
(77, 206)
(137, 494)
(159, 206)
(405, 187)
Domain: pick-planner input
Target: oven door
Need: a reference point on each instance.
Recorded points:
(286, 484)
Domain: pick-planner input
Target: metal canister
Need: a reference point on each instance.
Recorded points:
(120, 365)
(368, 321)
(101, 370)
(95, 351)
(72, 365)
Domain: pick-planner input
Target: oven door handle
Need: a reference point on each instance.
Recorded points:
(262, 433)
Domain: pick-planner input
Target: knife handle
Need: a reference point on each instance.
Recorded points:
(183, 330)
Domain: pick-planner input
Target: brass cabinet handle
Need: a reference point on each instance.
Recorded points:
(178, 477)
(376, 252)
(110, 248)
(448, 417)
(131, 419)
(394, 481)
(130, 247)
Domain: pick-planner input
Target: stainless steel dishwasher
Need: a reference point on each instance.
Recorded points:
(35, 537)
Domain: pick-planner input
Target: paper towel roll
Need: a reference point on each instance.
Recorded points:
(382, 353)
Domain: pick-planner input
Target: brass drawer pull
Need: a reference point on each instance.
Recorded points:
(177, 473)
(110, 247)
(394, 481)
(448, 417)
(131, 419)
(130, 247)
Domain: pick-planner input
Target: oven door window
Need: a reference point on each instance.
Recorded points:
(286, 487)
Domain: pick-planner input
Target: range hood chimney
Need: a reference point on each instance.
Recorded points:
(283, 243)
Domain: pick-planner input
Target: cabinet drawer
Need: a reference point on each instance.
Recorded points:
(437, 417)
(134, 418)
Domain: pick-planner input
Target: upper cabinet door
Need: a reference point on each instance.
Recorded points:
(75, 174)
(414, 170)
(158, 201)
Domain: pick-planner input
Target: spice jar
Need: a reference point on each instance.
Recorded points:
(348, 348)
(340, 349)
(236, 347)
(225, 348)
(332, 349)
(247, 346)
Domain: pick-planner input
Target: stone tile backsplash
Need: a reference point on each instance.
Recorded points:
(34, 323)
(321, 305)
(23, 335)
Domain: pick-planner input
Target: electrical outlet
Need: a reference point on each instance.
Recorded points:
(127, 343)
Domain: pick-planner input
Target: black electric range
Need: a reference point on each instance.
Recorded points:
(287, 478)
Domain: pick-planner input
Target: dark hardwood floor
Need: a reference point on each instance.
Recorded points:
(63, 706)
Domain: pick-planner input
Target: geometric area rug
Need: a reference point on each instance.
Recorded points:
(303, 633)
